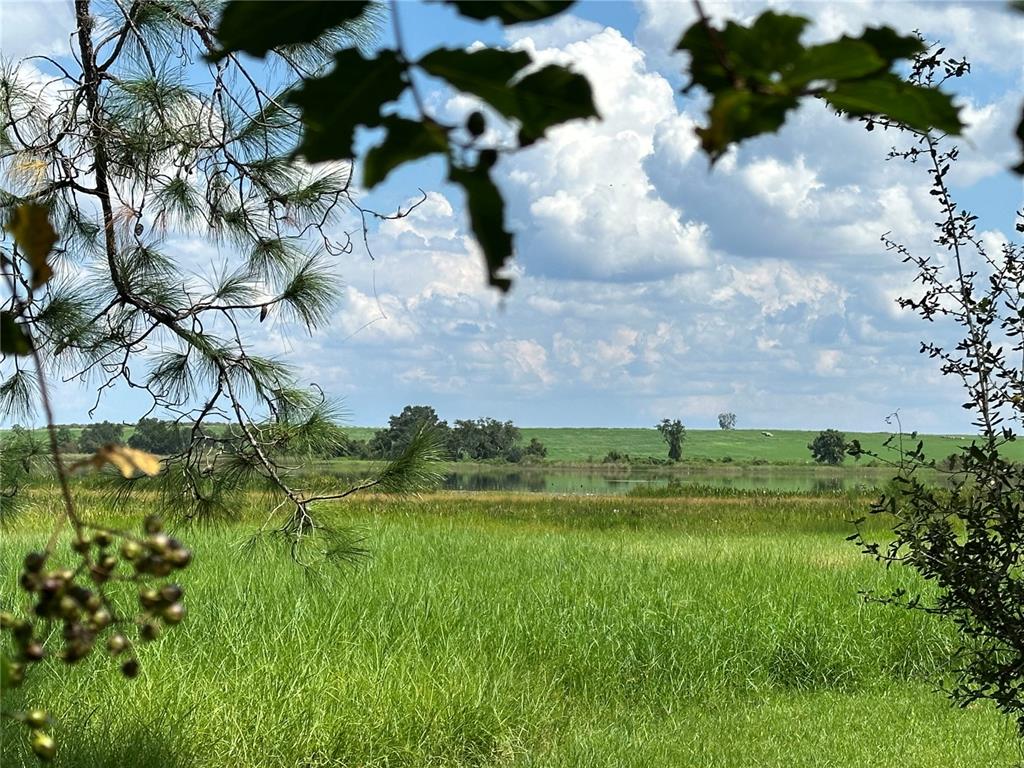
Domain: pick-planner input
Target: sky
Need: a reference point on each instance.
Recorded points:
(648, 285)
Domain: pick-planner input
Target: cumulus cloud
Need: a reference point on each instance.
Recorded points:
(648, 286)
(35, 27)
(582, 200)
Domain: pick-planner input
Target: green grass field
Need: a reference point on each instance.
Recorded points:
(583, 444)
(503, 630)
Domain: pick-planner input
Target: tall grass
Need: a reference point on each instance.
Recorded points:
(499, 630)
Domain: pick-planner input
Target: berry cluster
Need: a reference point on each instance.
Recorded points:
(85, 610)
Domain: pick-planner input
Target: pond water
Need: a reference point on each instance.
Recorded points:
(621, 480)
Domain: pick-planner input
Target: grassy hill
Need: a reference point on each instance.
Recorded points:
(744, 446)
(584, 444)
(741, 445)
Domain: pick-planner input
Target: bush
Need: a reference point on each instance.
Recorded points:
(536, 449)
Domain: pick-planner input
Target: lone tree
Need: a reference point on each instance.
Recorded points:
(829, 447)
(674, 433)
(727, 420)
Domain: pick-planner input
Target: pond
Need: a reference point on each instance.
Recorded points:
(621, 480)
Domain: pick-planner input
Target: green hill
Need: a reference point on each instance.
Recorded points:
(592, 444)
(584, 444)
(741, 445)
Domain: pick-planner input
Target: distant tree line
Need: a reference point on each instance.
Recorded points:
(467, 439)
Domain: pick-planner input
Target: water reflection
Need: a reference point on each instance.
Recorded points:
(621, 481)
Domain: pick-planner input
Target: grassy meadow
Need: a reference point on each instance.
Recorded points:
(580, 445)
(584, 445)
(525, 630)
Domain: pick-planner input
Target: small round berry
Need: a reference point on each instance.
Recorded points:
(37, 718)
(180, 558)
(173, 613)
(131, 550)
(170, 593)
(159, 566)
(43, 745)
(159, 542)
(117, 643)
(68, 607)
(130, 668)
(33, 651)
(34, 562)
(152, 524)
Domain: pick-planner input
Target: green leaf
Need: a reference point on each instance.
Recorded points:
(511, 11)
(13, 339)
(548, 97)
(406, 140)
(486, 218)
(890, 44)
(916, 107)
(755, 53)
(772, 42)
(737, 115)
(540, 100)
(255, 26)
(844, 59)
(351, 94)
(706, 67)
(485, 73)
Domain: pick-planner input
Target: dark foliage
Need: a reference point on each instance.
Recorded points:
(967, 538)
(829, 447)
(160, 437)
(99, 434)
(536, 449)
(401, 430)
(483, 439)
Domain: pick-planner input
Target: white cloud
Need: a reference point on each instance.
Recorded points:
(35, 27)
(581, 199)
(783, 186)
(647, 285)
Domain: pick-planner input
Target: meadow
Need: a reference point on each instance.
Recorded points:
(589, 445)
(584, 445)
(516, 630)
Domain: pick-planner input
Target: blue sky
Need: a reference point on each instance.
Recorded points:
(646, 285)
